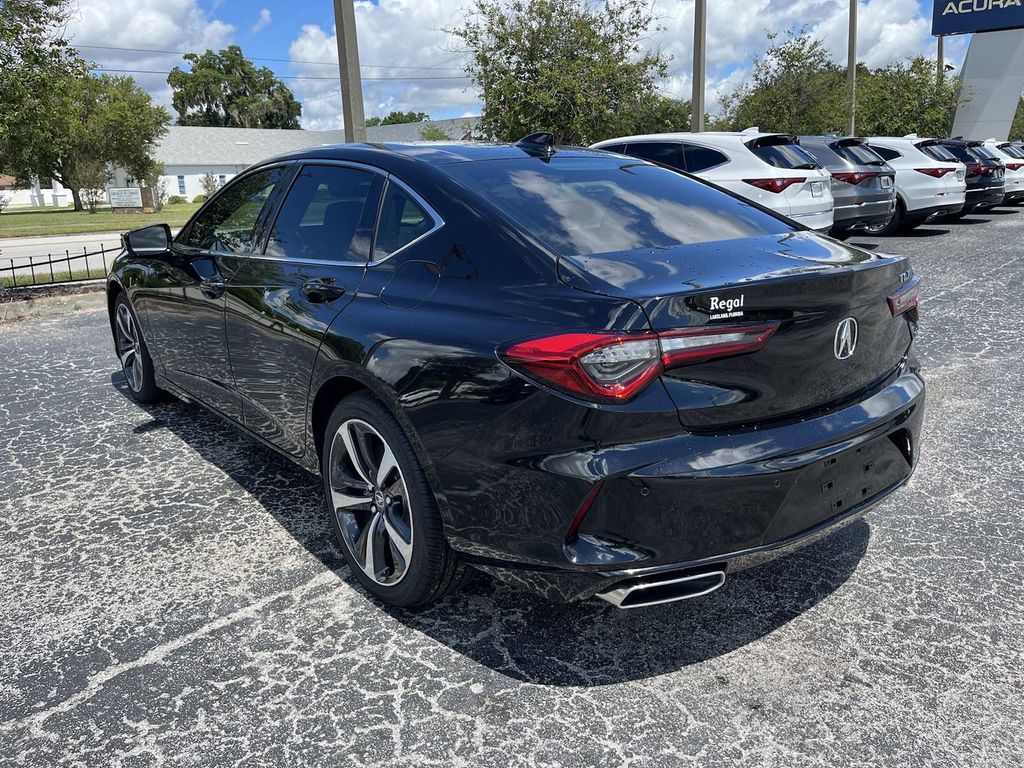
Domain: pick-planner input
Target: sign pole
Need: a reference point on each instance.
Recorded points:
(851, 71)
(940, 59)
(700, 35)
(348, 65)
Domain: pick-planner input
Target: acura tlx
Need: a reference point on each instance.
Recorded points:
(577, 371)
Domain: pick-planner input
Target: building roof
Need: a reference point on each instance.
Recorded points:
(196, 145)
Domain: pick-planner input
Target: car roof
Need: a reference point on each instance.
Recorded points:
(431, 153)
(723, 138)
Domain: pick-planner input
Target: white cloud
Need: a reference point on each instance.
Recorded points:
(167, 25)
(262, 22)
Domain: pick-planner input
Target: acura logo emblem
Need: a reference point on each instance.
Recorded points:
(846, 338)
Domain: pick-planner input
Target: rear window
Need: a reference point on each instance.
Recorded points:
(858, 153)
(786, 156)
(939, 152)
(885, 153)
(1013, 151)
(590, 205)
(985, 152)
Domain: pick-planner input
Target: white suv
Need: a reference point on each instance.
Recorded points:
(768, 168)
(1013, 158)
(925, 186)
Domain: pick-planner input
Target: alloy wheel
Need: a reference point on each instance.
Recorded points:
(371, 502)
(128, 347)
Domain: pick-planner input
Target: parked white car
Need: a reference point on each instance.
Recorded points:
(1013, 158)
(926, 187)
(768, 168)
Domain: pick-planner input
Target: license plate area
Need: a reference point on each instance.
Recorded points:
(817, 189)
(887, 182)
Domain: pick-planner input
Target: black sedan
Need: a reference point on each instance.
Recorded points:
(576, 371)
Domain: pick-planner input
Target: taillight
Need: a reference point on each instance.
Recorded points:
(1015, 166)
(857, 177)
(776, 185)
(609, 367)
(938, 173)
(906, 299)
(978, 169)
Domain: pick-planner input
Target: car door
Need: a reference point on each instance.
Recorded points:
(186, 308)
(281, 300)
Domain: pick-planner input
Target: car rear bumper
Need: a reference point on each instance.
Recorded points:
(820, 221)
(863, 214)
(935, 211)
(985, 197)
(722, 501)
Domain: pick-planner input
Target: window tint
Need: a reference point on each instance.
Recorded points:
(402, 220)
(1013, 151)
(952, 155)
(985, 152)
(785, 156)
(227, 223)
(701, 158)
(603, 204)
(663, 152)
(857, 153)
(325, 216)
(619, 148)
(823, 155)
(885, 153)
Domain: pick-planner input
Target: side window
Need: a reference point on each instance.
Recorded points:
(701, 158)
(402, 220)
(227, 223)
(661, 152)
(885, 153)
(326, 216)
(617, 148)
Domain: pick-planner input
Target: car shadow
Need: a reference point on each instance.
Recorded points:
(1002, 211)
(517, 633)
(967, 220)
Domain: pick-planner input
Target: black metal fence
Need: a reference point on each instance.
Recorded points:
(51, 269)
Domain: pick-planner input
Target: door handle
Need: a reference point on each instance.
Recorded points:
(213, 287)
(322, 290)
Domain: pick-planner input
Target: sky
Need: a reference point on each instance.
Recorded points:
(409, 61)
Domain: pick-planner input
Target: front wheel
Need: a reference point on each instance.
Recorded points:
(382, 508)
(133, 353)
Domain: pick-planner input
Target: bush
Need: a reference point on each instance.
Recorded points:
(199, 199)
(176, 200)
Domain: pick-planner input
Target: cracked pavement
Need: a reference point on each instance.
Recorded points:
(172, 594)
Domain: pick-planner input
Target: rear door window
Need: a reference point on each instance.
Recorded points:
(668, 153)
(702, 158)
(327, 216)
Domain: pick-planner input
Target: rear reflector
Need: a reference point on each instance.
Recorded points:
(776, 185)
(938, 173)
(906, 299)
(856, 177)
(609, 367)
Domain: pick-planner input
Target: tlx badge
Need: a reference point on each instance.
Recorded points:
(722, 308)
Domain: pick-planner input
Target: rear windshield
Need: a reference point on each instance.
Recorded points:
(1013, 151)
(948, 154)
(985, 152)
(588, 205)
(786, 156)
(858, 153)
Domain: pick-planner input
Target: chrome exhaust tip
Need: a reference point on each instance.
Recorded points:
(663, 588)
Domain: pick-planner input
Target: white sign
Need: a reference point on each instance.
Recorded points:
(125, 197)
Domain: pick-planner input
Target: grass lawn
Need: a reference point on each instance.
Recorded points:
(32, 222)
(59, 276)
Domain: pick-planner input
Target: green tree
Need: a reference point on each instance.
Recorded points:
(433, 133)
(1017, 129)
(91, 122)
(906, 97)
(576, 68)
(209, 184)
(394, 118)
(795, 88)
(225, 89)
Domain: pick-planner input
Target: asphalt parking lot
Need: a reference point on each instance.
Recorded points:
(172, 594)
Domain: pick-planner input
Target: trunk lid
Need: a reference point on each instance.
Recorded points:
(808, 283)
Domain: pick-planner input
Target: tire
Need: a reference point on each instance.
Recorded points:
(893, 225)
(130, 345)
(410, 564)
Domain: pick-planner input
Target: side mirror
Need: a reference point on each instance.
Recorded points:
(148, 241)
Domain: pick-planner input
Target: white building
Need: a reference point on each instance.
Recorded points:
(188, 153)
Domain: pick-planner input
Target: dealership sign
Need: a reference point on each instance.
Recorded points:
(955, 17)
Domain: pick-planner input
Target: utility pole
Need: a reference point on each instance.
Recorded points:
(700, 39)
(940, 59)
(348, 65)
(851, 71)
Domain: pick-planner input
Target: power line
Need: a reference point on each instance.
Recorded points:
(285, 77)
(264, 58)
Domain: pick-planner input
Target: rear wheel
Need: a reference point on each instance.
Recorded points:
(131, 349)
(895, 223)
(382, 508)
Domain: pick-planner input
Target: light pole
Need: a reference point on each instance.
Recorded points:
(940, 59)
(851, 71)
(348, 66)
(700, 36)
